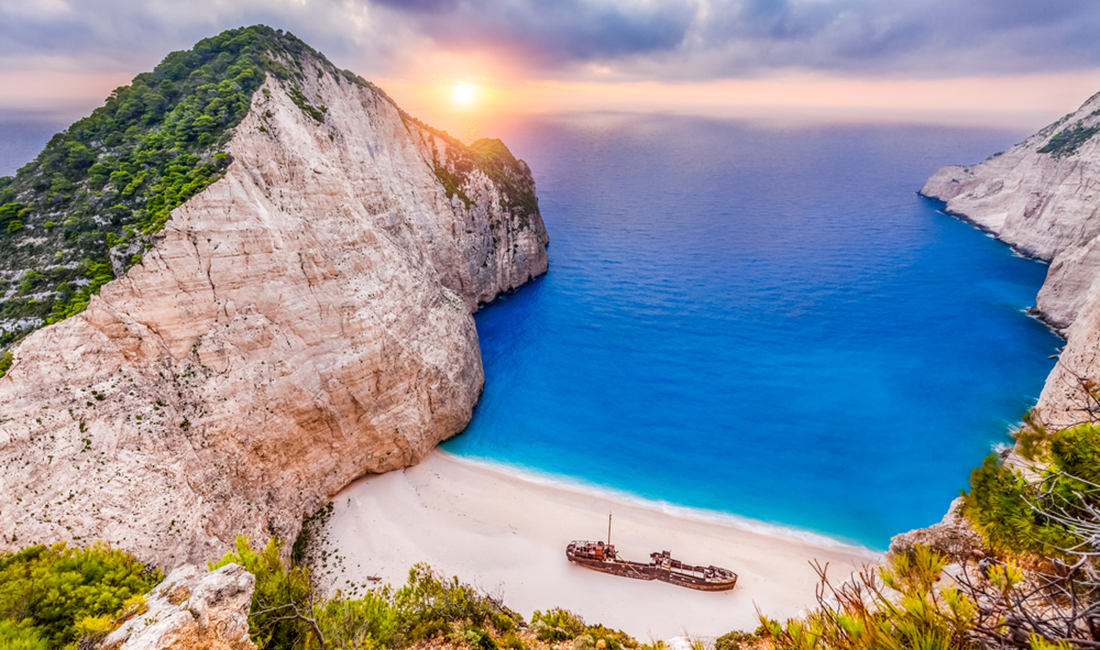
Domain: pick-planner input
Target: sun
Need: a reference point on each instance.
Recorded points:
(465, 95)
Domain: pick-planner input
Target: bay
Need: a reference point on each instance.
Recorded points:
(760, 320)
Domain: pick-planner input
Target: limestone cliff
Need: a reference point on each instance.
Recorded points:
(192, 609)
(1042, 196)
(302, 321)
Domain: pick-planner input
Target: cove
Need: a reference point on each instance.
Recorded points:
(758, 320)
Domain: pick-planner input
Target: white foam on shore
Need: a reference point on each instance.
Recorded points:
(582, 487)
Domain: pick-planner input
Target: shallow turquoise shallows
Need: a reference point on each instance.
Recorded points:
(768, 322)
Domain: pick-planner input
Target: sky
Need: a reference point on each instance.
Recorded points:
(996, 62)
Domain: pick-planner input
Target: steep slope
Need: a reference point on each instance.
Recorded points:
(1042, 196)
(303, 320)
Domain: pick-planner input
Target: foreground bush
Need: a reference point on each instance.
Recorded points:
(288, 613)
(897, 607)
(559, 624)
(1030, 515)
(48, 595)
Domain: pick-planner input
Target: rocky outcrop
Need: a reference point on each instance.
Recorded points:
(191, 610)
(301, 322)
(953, 536)
(1042, 196)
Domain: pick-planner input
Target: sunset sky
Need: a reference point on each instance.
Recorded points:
(998, 62)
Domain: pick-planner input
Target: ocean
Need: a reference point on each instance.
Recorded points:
(757, 320)
(763, 321)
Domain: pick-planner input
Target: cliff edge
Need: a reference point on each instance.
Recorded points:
(1042, 196)
(300, 322)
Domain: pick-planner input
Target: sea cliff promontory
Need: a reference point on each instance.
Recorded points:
(302, 321)
(1042, 196)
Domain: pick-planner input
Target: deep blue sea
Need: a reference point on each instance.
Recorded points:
(764, 321)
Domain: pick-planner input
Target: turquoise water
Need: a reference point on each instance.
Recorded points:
(762, 321)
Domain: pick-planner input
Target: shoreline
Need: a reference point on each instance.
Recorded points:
(504, 531)
(622, 497)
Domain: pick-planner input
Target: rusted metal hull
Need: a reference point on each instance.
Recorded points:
(600, 557)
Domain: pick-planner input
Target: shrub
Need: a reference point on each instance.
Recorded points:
(557, 624)
(512, 641)
(475, 638)
(428, 605)
(56, 590)
(278, 590)
(862, 616)
(14, 636)
(737, 639)
(6, 359)
(359, 624)
(1011, 512)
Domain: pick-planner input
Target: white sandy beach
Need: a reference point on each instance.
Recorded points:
(506, 533)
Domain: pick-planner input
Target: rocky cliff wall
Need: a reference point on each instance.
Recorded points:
(1042, 196)
(301, 322)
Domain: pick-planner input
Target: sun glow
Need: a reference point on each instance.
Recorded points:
(465, 95)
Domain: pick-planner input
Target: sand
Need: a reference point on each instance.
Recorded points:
(505, 532)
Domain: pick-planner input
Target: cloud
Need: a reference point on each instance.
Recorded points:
(663, 40)
(553, 33)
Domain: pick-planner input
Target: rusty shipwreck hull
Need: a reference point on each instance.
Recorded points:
(602, 557)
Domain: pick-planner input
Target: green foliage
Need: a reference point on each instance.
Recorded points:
(1068, 140)
(314, 112)
(557, 624)
(428, 605)
(15, 636)
(6, 358)
(452, 184)
(278, 588)
(307, 536)
(492, 158)
(512, 641)
(475, 638)
(1031, 438)
(1010, 512)
(998, 506)
(357, 624)
(737, 639)
(1076, 452)
(287, 612)
(498, 163)
(864, 616)
(55, 592)
(116, 175)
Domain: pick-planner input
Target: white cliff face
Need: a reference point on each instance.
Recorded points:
(1047, 205)
(301, 322)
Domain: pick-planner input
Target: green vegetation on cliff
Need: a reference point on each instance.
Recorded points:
(1068, 140)
(86, 208)
(51, 596)
(1034, 514)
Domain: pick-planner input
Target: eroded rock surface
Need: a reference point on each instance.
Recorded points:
(301, 322)
(1042, 196)
(191, 610)
(954, 535)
